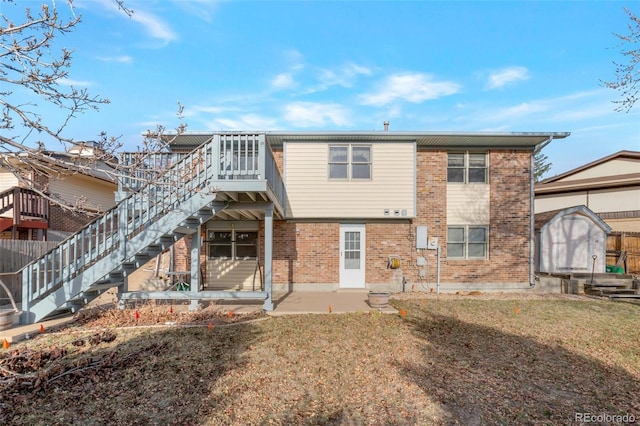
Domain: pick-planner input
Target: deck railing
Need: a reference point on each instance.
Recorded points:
(158, 184)
(108, 234)
(25, 203)
(240, 156)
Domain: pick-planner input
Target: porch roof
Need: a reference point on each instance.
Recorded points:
(516, 140)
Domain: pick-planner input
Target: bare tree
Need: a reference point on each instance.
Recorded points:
(31, 69)
(627, 80)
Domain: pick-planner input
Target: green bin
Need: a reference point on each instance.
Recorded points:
(614, 269)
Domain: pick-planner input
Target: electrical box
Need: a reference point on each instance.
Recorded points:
(421, 261)
(432, 244)
(421, 237)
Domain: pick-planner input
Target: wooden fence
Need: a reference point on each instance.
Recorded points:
(623, 249)
(14, 254)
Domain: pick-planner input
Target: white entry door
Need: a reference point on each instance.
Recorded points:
(352, 255)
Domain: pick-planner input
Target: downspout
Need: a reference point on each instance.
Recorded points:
(532, 235)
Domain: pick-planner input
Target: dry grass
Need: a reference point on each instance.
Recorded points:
(451, 359)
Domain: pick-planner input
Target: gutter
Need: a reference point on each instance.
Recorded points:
(532, 235)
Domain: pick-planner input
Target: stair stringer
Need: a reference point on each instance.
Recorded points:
(181, 221)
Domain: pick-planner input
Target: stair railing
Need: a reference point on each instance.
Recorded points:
(108, 234)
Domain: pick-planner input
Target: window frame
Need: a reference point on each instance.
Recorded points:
(467, 242)
(467, 167)
(350, 162)
(233, 244)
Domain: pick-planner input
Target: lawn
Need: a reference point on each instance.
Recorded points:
(449, 359)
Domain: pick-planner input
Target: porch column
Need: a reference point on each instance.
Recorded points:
(196, 245)
(268, 257)
(194, 286)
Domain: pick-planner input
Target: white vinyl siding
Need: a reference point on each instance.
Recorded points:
(312, 194)
(7, 180)
(598, 200)
(100, 195)
(620, 166)
(468, 204)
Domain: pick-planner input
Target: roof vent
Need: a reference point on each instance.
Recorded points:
(386, 126)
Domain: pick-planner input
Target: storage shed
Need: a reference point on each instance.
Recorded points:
(570, 240)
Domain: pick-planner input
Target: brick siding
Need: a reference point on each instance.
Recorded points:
(308, 253)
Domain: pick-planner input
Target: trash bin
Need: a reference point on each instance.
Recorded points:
(613, 269)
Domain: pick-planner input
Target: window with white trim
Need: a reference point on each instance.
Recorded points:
(467, 167)
(467, 242)
(349, 162)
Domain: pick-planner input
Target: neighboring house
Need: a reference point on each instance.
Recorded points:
(610, 187)
(64, 200)
(571, 240)
(265, 212)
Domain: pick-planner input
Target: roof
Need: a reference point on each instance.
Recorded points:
(542, 219)
(633, 155)
(618, 181)
(561, 183)
(515, 140)
(75, 163)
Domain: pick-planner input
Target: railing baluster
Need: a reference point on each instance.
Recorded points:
(161, 183)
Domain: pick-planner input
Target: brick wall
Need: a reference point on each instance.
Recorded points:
(68, 221)
(182, 254)
(309, 253)
(305, 252)
(510, 215)
(508, 262)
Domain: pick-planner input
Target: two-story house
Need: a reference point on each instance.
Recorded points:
(253, 214)
(50, 195)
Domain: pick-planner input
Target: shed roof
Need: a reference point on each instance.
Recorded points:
(542, 219)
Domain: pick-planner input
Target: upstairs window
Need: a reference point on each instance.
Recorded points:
(349, 162)
(467, 167)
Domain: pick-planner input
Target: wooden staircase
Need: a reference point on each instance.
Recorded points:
(139, 227)
(160, 206)
(613, 286)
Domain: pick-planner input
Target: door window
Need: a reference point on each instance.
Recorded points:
(352, 250)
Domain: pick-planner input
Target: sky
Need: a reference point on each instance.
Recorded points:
(478, 66)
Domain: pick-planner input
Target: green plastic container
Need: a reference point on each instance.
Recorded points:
(613, 269)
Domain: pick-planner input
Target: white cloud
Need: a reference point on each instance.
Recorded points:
(154, 26)
(283, 81)
(202, 9)
(295, 58)
(523, 109)
(124, 59)
(501, 78)
(343, 76)
(410, 87)
(209, 109)
(309, 114)
(76, 83)
(243, 122)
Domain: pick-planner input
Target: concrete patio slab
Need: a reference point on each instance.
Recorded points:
(306, 302)
(303, 302)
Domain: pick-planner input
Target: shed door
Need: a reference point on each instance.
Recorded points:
(572, 248)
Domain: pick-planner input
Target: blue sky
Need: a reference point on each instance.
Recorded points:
(350, 65)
